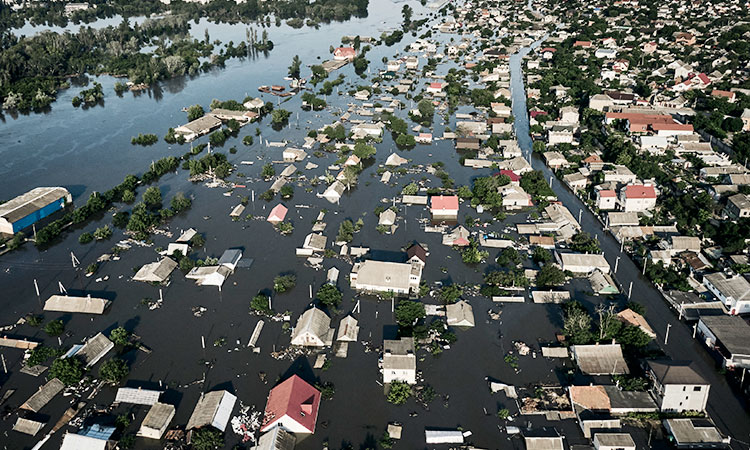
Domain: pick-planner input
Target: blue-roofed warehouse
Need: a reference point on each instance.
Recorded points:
(29, 208)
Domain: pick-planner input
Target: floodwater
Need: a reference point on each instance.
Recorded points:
(87, 150)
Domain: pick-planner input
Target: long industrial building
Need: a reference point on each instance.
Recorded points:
(27, 209)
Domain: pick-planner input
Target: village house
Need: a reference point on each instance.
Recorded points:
(386, 277)
(514, 197)
(600, 359)
(334, 192)
(276, 438)
(399, 361)
(637, 198)
(555, 160)
(729, 337)
(313, 329)
(738, 206)
(613, 441)
(157, 420)
(444, 207)
(693, 433)
(344, 54)
(459, 237)
(293, 404)
(676, 386)
(348, 330)
(198, 127)
(459, 314)
(277, 214)
(582, 263)
(560, 134)
(733, 291)
(606, 199)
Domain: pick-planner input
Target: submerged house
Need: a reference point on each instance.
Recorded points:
(313, 329)
(72, 304)
(198, 127)
(459, 314)
(293, 405)
(156, 272)
(382, 276)
(444, 207)
(214, 409)
(399, 361)
(92, 350)
(157, 421)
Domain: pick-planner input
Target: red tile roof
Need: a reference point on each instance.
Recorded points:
(436, 85)
(639, 191)
(671, 127)
(510, 174)
(444, 202)
(607, 193)
(345, 51)
(294, 398)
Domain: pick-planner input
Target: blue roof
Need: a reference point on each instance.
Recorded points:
(98, 431)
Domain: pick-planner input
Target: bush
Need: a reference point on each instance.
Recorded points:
(287, 191)
(247, 140)
(268, 171)
(550, 276)
(195, 112)
(85, 238)
(41, 354)
(144, 139)
(259, 303)
(103, 233)
(283, 283)
(54, 328)
(152, 196)
(399, 393)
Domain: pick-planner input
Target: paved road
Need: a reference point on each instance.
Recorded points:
(727, 409)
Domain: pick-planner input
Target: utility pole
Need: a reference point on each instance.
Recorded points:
(666, 336)
(630, 290)
(617, 263)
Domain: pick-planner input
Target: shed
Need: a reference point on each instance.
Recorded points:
(72, 304)
(230, 258)
(214, 409)
(157, 420)
(613, 441)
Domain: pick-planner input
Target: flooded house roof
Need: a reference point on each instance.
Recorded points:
(72, 304)
(157, 418)
(277, 438)
(348, 329)
(137, 396)
(313, 328)
(293, 399)
(73, 441)
(383, 275)
(43, 395)
(600, 359)
(156, 272)
(675, 372)
(460, 314)
(213, 408)
(399, 354)
(93, 350)
(27, 426)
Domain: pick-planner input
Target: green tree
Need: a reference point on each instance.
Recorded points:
(85, 237)
(54, 328)
(207, 438)
(128, 196)
(294, 68)
(583, 242)
(577, 324)
(195, 112)
(268, 171)
(67, 370)
(450, 293)
(103, 233)
(279, 116)
(120, 336)
(550, 276)
(113, 370)
(409, 312)
(152, 196)
(509, 257)
(364, 151)
(329, 295)
(287, 191)
(541, 255)
(399, 393)
(283, 283)
(259, 303)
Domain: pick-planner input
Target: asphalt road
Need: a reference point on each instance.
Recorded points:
(727, 409)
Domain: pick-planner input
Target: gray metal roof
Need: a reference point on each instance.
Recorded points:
(67, 303)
